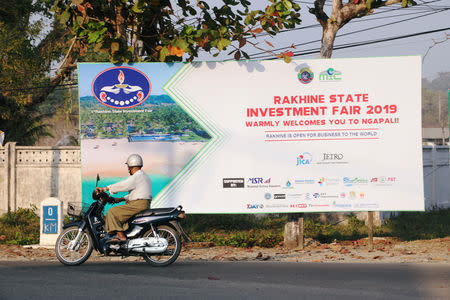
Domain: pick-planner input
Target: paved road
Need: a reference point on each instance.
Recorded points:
(230, 280)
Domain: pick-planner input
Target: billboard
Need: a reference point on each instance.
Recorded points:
(259, 136)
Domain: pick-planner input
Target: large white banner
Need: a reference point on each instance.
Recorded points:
(307, 136)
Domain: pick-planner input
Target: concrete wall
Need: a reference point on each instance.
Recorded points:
(436, 173)
(28, 175)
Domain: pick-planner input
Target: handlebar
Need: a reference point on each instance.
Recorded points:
(103, 196)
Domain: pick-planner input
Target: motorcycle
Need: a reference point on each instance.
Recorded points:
(155, 234)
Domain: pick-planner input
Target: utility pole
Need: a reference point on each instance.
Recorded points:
(441, 122)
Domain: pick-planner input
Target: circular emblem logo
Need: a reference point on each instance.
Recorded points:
(121, 87)
(305, 75)
(268, 196)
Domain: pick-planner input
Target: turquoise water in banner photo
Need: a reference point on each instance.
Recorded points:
(88, 186)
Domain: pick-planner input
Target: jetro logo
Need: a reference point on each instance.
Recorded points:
(304, 159)
(121, 87)
(330, 75)
(305, 75)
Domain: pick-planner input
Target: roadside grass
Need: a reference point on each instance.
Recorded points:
(267, 230)
(420, 225)
(20, 227)
(240, 230)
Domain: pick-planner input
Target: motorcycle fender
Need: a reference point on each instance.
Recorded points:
(180, 230)
(78, 223)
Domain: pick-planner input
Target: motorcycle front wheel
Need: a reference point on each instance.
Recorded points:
(172, 251)
(72, 248)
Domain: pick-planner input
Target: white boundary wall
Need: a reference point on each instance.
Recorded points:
(29, 175)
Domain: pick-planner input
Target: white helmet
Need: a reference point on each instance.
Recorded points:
(134, 160)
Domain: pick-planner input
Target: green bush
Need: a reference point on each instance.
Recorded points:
(208, 222)
(244, 239)
(420, 225)
(20, 227)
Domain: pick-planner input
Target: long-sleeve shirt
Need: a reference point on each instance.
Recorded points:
(138, 186)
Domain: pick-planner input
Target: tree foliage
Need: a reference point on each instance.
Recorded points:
(441, 82)
(21, 123)
(164, 30)
(435, 101)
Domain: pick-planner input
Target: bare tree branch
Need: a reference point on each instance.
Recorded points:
(341, 14)
(321, 16)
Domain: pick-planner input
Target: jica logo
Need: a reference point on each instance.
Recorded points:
(304, 159)
(121, 87)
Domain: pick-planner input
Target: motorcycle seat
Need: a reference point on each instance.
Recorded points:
(155, 212)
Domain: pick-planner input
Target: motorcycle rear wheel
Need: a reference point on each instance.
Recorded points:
(82, 250)
(173, 250)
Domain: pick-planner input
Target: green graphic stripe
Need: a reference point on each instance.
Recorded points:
(216, 134)
(201, 157)
(187, 100)
(174, 78)
(198, 116)
(187, 169)
(206, 151)
(196, 164)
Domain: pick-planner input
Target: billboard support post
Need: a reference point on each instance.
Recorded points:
(301, 233)
(370, 221)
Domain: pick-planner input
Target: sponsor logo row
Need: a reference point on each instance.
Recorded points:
(261, 182)
(296, 206)
(351, 195)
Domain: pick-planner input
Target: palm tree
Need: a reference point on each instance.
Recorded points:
(21, 123)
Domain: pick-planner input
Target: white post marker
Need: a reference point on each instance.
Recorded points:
(51, 221)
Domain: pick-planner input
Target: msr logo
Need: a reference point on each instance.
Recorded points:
(255, 180)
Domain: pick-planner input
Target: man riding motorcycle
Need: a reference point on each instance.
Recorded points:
(139, 188)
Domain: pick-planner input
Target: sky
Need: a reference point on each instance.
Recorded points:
(428, 15)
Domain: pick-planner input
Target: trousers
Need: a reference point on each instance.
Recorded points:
(117, 216)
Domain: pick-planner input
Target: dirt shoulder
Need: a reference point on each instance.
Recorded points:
(386, 250)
